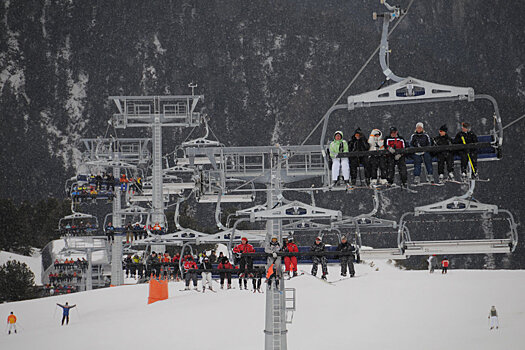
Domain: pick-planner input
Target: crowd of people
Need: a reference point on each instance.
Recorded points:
(380, 169)
(66, 276)
(78, 229)
(102, 186)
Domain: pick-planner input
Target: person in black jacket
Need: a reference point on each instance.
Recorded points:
(346, 260)
(443, 139)
(469, 137)
(318, 246)
(359, 143)
(206, 276)
(421, 139)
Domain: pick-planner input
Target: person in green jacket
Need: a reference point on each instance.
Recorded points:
(338, 145)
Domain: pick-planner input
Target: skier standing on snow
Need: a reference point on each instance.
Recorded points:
(206, 276)
(444, 265)
(318, 246)
(65, 312)
(346, 260)
(431, 263)
(11, 323)
(493, 316)
(245, 262)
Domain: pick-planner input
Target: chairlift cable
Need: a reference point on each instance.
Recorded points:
(514, 121)
(360, 71)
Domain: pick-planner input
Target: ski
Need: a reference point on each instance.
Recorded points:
(348, 278)
(421, 184)
(318, 278)
(298, 274)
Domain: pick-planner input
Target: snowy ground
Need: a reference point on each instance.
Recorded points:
(385, 309)
(33, 262)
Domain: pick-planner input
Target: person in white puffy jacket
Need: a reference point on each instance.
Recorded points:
(377, 143)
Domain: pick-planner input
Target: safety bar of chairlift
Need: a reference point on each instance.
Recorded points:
(479, 246)
(412, 150)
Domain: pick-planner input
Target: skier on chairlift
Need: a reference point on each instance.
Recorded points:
(245, 262)
(421, 139)
(346, 260)
(338, 145)
(469, 158)
(290, 262)
(318, 246)
(444, 157)
(273, 247)
(377, 143)
(393, 142)
(358, 143)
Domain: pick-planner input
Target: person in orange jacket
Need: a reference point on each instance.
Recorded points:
(11, 323)
(444, 265)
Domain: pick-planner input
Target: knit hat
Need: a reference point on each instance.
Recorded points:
(420, 125)
(358, 131)
(443, 128)
(376, 132)
(393, 128)
(465, 125)
(338, 132)
(343, 238)
(318, 238)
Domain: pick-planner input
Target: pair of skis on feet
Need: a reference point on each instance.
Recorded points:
(332, 283)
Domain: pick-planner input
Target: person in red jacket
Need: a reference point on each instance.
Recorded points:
(393, 142)
(444, 265)
(290, 262)
(245, 262)
(226, 265)
(191, 274)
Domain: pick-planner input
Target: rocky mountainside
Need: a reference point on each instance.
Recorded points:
(268, 69)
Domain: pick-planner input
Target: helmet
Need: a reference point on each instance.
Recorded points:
(244, 239)
(318, 238)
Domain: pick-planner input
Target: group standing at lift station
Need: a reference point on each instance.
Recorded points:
(385, 164)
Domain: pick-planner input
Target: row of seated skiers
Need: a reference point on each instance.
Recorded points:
(60, 277)
(80, 229)
(81, 193)
(136, 231)
(386, 164)
(59, 289)
(107, 182)
(70, 264)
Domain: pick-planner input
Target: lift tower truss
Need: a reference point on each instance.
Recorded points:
(155, 112)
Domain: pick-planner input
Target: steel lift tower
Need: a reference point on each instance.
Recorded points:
(156, 112)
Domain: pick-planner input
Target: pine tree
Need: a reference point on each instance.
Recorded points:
(17, 282)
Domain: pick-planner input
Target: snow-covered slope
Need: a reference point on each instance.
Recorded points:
(33, 262)
(385, 309)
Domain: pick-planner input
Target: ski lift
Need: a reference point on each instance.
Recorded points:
(409, 91)
(78, 224)
(464, 209)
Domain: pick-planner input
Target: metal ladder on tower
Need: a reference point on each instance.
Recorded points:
(277, 317)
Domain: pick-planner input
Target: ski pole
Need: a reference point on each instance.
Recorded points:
(468, 155)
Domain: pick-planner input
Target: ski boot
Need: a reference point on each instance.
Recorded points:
(451, 176)
(222, 286)
(229, 286)
(203, 289)
(417, 180)
(323, 277)
(343, 274)
(441, 178)
(295, 274)
(187, 288)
